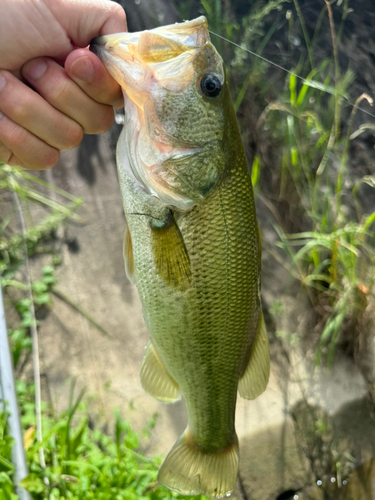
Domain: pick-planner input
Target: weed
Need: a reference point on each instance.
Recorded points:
(335, 258)
(6, 466)
(81, 462)
(67, 458)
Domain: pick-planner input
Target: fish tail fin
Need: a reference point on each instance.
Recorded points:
(189, 470)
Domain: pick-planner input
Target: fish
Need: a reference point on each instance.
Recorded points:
(192, 243)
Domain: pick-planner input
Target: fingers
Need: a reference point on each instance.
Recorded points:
(37, 124)
(50, 80)
(87, 19)
(18, 147)
(86, 69)
(116, 22)
(28, 109)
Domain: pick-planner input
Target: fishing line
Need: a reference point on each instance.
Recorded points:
(310, 83)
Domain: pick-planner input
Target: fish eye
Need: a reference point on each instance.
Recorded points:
(211, 85)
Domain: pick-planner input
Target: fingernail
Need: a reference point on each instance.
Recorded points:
(83, 69)
(3, 82)
(34, 69)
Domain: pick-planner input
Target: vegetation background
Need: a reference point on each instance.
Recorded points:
(311, 153)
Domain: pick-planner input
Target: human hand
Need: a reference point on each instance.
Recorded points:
(36, 124)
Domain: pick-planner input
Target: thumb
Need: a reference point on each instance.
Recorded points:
(84, 20)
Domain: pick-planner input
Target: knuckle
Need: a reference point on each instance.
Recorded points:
(102, 123)
(118, 11)
(14, 161)
(50, 158)
(74, 136)
(17, 136)
(5, 154)
(21, 148)
(20, 109)
(60, 90)
(118, 103)
(45, 158)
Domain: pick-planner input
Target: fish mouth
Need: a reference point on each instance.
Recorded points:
(149, 65)
(165, 56)
(170, 40)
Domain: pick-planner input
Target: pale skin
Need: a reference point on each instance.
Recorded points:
(52, 88)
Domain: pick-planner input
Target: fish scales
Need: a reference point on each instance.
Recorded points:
(194, 243)
(215, 312)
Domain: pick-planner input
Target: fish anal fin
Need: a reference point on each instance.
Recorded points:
(255, 378)
(128, 256)
(189, 470)
(155, 379)
(170, 254)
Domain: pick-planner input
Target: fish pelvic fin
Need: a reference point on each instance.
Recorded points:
(128, 256)
(188, 470)
(156, 380)
(255, 378)
(171, 257)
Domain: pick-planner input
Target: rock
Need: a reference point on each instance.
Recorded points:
(271, 462)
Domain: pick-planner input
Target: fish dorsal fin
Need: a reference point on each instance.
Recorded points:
(255, 379)
(170, 254)
(128, 256)
(155, 379)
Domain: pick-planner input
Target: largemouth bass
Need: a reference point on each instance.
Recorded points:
(192, 242)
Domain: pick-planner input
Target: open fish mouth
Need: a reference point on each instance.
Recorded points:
(192, 33)
(162, 55)
(151, 66)
(143, 55)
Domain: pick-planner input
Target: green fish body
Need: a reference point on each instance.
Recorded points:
(192, 243)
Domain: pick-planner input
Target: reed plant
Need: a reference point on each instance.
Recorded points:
(311, 120)
(334, 258)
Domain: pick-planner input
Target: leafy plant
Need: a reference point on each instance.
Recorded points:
(22, 186)
(70, 459)
(6, 466)
(82, 462)
(335, 258)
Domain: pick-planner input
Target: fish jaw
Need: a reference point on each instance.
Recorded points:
(151, 66)
(127, 54)
(167, 56)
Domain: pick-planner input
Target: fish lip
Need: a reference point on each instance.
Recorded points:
(94, 47)
(191, 34)
(168, 31)
(133, 58)
(99, 40)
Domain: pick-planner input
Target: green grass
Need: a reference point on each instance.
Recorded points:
(82, 461)
(332, 254)
(334, 258)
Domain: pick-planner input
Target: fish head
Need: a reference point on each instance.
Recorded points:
(174, 87)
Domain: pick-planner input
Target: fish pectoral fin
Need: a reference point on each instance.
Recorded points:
(155, 379)
(189, 470)
(128, 256)
(255, 378)
(171, 257)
